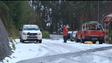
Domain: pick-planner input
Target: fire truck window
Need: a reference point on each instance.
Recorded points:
(91, 27)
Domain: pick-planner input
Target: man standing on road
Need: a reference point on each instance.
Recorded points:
(65, 33)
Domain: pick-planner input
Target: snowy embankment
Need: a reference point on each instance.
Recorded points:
(50, 47)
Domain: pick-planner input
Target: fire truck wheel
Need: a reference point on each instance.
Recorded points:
(94, 42)
(101, 41)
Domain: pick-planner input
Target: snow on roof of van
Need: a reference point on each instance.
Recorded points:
(27, 25)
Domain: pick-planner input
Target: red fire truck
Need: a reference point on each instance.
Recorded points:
(91, 31)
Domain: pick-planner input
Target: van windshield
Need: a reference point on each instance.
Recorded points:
(30, 28)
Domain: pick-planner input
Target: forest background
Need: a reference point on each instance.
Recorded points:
(51, 15)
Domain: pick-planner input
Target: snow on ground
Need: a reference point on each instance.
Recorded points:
(50, 47)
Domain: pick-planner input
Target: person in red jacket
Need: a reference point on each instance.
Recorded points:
(65, 33)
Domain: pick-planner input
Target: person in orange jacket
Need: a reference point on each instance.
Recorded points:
(65, 33)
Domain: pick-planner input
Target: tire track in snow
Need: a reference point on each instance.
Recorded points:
(62, 56)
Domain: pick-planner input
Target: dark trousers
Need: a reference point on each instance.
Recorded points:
(65, 38)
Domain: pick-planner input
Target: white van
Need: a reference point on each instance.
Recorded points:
(30, 33)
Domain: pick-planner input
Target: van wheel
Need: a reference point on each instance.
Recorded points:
(40, 41)
(21, 40)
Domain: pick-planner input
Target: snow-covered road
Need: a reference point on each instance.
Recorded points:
(71, 57)
(55, 51)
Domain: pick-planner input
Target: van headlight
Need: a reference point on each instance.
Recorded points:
(25, 33)
(38, 33)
